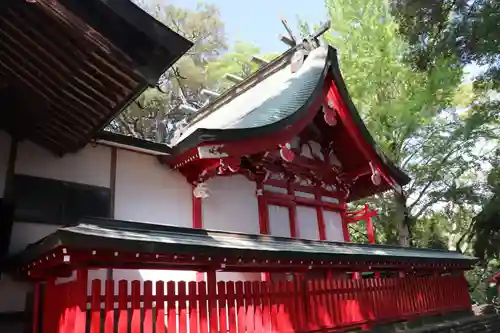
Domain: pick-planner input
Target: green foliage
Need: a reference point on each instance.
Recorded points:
(425, 120)
(469, 30)
(156, 114)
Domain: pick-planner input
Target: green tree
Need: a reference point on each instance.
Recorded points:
(157, 113)
(412, 114)
(469, 30)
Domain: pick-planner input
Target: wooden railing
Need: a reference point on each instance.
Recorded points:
(258, 307)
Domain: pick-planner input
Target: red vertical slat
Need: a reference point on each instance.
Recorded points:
(221, 293)
(337, 314)
(231, 305)
(284, 313)
(341, 286)
(203, 298)
(122, 306)
(181, 295)
(257, 303)
(136, 322)
(290, 310)
(80, 299)
(148, 307)
(357, 301)
(249, 308)
(109, 307)
(66, 320)
(61, 304)
(273, 298)
(212, 302)
(240, 306)
(381, 297)
(311, 306)
(160, 307)
(36, 307)
(171, 308)
(95, 307)
(193, 307)
(49, 307)
(300, 303)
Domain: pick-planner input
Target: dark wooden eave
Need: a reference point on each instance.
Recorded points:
(68, 67)
(113, 243)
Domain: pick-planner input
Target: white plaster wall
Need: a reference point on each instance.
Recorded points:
(238, 276)
(91, 165)
(279, 221)
(147, 191)
(232, 205)
(24, 233)
(307, 223)
(4, 158)
(333, 226)
(13, 293)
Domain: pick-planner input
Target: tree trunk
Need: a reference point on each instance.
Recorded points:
(404, 220)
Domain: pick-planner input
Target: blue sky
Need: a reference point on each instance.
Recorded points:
(258, 21)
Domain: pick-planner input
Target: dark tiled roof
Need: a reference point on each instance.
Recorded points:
(150, 238)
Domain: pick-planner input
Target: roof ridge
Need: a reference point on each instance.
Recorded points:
(255, 78)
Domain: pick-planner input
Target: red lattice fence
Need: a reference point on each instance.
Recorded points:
(244, 307)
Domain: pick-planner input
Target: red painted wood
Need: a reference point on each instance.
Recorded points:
(193, 307)
(122, 306)
(49, 308)
(136, 307)
(232, 309)
(181, 303)
(256, 307)
(212, 301)
(202, 292)
(80, 298)
(223, 317)
(95, 307)
(36, 307)
(240, 306)
(171, 310)
(148, 307)
(266, 306)
(109, 307)
(249, 307)
(160, 307)
(197, 212)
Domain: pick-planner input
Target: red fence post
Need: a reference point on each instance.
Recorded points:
(109, 307)
(122, 306)
(160, 307)
(148, 307)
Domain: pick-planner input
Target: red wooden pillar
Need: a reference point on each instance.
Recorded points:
(319, 214)
(293, 212)
(345, 228)
(369, 229)
(49, 320)
(80, 300)
(197, 216)
(36, 307)
(263, 217)
(212, 300)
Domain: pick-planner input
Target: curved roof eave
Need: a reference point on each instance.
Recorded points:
(330, 67)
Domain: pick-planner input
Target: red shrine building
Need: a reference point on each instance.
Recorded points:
(240, 225)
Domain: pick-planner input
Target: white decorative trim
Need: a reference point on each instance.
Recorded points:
(211, 152)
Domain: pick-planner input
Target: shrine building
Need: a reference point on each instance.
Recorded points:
(240, 225)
